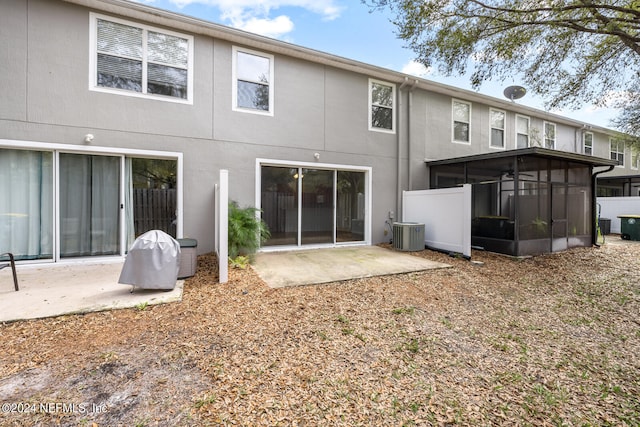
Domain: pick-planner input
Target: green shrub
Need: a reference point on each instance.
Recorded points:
(246, 231)
(240, 262)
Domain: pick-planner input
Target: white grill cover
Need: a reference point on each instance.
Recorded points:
(152, 262)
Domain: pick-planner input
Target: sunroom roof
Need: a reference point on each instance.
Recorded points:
(531, 151)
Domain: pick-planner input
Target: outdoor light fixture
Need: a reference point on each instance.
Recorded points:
(88, 138)
(316, 156)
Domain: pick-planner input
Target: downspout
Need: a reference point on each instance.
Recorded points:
(594, 203)
(399, 163)
(409, 180)
(516, 206)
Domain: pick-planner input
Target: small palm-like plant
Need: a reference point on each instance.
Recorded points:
(246, 231)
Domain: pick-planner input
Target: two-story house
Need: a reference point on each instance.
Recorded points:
(116, 118)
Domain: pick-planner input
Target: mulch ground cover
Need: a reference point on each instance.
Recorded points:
(547, 340)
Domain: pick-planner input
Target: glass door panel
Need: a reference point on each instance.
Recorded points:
(350, 207)
(89, 205)
(152, 195)
(26, 203)
(279, 199)
(317, 206)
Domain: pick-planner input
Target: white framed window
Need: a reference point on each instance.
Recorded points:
(253, 81)
(587, 143)
(617, 151)
(461, 113)
(138, 60)
(549, 135)
(382, 106)
(635, 158)
(522, 131)
(497, 123)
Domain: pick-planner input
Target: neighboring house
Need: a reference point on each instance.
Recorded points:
(117, 117)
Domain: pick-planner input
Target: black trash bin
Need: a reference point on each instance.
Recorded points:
(605, 225)
(188, 258)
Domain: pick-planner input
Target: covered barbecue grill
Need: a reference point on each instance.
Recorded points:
(152, 262)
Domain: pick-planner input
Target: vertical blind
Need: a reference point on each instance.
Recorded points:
(122, 53)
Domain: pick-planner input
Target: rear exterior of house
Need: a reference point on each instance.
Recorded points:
(117, 118)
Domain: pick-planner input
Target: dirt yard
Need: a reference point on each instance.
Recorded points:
(549, 340)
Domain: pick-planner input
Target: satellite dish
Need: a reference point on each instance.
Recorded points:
(514, 92)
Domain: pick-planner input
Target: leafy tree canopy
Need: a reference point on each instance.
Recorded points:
(568, 51)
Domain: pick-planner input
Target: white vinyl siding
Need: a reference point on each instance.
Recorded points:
(138, 60)
(253, 81)
(382, 106)
(461, 126)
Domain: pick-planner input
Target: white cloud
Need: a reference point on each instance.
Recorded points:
(255, 15)
(275, 28)
(416, 69)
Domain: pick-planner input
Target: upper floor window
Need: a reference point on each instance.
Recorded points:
(587, 143)
(461, 121)
(635, 158)
(617, 151)
(522, 131)
(139, 60)
(549, 135)
(497, 128)
(252, 81)
(382, 102)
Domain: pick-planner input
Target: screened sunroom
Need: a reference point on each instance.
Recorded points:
(527, 201)
(619, 186)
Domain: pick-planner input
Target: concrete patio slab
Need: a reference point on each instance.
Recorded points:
(53, 290)
(314, 266)
(616, 239)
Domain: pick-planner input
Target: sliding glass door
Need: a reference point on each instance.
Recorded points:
(151, 196)
(98, 205)
(26, 204)
(317, 210)
(312, 206)
(350, 206)
(89, 205)
(279, 189)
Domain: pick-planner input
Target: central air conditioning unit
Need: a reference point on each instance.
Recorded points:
(408, 236)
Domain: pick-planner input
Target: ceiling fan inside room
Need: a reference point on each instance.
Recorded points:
(509, 173)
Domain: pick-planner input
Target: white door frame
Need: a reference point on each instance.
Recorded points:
(315, 165)
(56, 149)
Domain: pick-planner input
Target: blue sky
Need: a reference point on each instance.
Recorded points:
(344, 28)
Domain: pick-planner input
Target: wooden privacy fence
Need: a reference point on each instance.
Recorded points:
(280, 211)
(154, 209)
